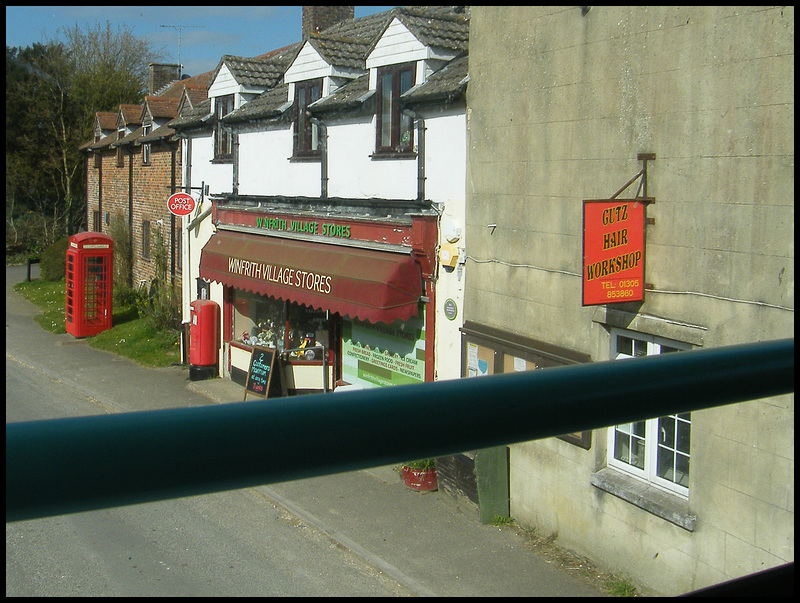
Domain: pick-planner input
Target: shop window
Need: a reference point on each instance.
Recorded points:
(655, 450)
(380, 355)
(272, 323)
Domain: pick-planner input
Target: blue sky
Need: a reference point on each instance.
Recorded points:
(209, 32)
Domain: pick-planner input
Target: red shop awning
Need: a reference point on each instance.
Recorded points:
(377, 286)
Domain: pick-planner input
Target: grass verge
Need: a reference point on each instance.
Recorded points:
(130, 336)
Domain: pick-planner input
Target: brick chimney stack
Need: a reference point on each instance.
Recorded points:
(162, 74)
(320, 18)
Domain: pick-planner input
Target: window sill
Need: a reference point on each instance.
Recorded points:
(222, 159)
(404, 155)
(645, 496)
(305, 158)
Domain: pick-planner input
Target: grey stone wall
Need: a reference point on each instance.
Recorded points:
(560, 104)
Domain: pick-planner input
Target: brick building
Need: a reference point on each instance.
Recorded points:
(133, 165)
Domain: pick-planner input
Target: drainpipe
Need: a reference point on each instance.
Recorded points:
(323, 148)
(89, 224)
(172, 190)
(235, 170)
(172, 175)
(130, 207)
(187, 266)
(420, 152)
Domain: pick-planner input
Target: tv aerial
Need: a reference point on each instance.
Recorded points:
(179, 29)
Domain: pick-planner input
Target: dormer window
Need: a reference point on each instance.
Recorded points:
(223, 139)
(306, 134)
(146, 146)
(394, 130)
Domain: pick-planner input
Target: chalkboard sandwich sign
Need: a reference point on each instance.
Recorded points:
(259, 375)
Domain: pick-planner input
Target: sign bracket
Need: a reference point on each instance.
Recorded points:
(644, 158)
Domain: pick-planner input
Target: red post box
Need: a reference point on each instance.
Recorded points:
(204, 333)
(89, 283)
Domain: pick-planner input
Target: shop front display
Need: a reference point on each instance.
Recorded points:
(369, 285)
(268, 322)
(337, 314)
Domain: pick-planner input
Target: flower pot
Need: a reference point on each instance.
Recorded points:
(422, 480)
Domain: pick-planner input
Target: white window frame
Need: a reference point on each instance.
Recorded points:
(650, 345)
(146, 146)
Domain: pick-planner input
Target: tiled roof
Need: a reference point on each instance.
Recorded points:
(162, 107)
(103, 143)
(194, 117)
(437, 28)
(262, 72)
(161, 133)
(130, 138)
(175, 89)
(107, 120)
(351, 95)
(264, 106)
(363, 28)
(131, 114)
(196, 94)
(341, 51)
(345, 44)
(447, 83)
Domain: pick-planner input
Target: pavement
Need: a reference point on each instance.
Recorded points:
(431, 543)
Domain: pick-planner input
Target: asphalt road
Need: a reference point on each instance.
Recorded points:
(359, 533)
(232, 543)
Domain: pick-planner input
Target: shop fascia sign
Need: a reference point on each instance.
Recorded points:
(282, 275)
(327, 229)
(613, 251)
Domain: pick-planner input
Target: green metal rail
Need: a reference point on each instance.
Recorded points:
(78, 464)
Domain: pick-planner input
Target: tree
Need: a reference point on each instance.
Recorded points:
(52, 93)
(110, 68)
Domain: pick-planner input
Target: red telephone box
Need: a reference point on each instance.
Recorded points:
(203, 338)
(89, 283)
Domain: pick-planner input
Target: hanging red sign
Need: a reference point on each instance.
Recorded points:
(613, 251)
(181, 204)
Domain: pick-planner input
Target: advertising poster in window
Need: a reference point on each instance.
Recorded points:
(380, 355)
(613, 251)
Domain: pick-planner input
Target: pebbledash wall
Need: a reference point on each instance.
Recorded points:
(561, 102)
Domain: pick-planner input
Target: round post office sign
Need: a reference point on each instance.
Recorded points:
(181, 204)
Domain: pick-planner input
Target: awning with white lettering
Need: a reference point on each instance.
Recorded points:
(377, 286)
